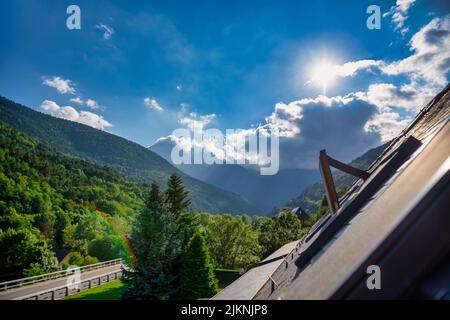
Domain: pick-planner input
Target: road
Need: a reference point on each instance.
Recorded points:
(38, 287)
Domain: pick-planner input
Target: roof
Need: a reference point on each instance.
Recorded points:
(283, 251)
(248, 285)
(397, 219)
(300, 213)
(61, 253)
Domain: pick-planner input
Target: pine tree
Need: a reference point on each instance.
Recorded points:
(177, 195)
(157, 248)
(177, 199)
(197, 278)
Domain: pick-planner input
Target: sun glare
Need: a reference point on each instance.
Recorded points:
(323, 74)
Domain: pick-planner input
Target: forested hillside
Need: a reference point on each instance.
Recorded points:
(309, 199)
(49, 201)
(129, 158)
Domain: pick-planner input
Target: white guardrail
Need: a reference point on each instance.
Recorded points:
(72, 288)
(57, 274)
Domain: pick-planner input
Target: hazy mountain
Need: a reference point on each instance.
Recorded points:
(129, 158)
(266, 192)
(307, 200)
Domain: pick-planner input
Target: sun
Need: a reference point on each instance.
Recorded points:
(323, 74)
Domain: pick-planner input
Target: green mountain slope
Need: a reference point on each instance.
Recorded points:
(129, 158)
(52, 201)
(308, 199)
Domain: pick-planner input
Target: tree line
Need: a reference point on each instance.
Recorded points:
(178, 250)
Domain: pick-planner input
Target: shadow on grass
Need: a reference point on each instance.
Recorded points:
(109, 291)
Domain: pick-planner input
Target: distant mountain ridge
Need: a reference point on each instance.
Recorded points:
(129, 158)
(267, 192)
(307, 200)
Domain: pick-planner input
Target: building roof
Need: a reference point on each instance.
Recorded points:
(282, 252)
(248, 285)
(397, 219)
(61, 254)
(301, 214)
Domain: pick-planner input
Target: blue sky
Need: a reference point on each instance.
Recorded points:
(146, 66)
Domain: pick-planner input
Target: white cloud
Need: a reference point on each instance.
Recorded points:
(430, 60)
(345, 126)
(92, 104)
(77, 100)
(70, 113)
(221, 149)
(404, 5)
(305, 127)
(94, 120)
(399, 14)
(195, 122)
(388, 125)
(325, 72)
(107, 31)
(52, 108)
(349, 69)
(407, 96)
(332, 123)
(153, 104)
(284, 117)
(63, 86)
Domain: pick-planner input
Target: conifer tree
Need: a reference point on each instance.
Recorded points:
(177, 195)
(178, 202)
(197, 279)
(157, 248)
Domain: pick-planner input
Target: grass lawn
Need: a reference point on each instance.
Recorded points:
(108, 291)
(113, 290)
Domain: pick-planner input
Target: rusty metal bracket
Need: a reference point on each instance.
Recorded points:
(325, 162)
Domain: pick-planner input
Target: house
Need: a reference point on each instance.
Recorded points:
(300, 213)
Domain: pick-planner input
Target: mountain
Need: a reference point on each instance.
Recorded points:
(129, 158)
(308, 199)
(266, 192)
(51, 201)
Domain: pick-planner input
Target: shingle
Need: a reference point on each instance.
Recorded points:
(338, 263)
(283, 251)
(248, 285)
